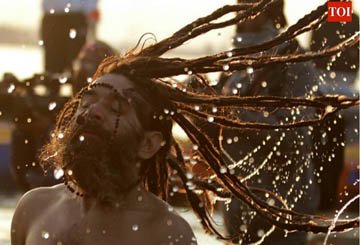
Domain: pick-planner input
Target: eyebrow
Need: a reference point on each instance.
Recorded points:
(116, 95)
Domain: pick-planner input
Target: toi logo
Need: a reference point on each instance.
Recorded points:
(339, 11)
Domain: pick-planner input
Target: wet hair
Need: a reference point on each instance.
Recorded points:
(170, 102)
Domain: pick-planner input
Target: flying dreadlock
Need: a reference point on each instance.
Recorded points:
(152, 75)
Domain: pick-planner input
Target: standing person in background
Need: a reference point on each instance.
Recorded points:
(283, 165)
(64, 30)
(338, 74)
(86, 63)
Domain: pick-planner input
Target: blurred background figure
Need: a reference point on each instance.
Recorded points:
(338, 76)
(86, 63)
(65, 27)
(289, 168)
(32, 106)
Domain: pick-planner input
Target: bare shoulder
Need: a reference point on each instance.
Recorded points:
(174, 228)
(168, 226)
(38, 197)
(29, 206)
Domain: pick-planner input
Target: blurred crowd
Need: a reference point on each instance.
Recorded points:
(72, 53)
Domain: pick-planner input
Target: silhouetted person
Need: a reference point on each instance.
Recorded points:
(338, 75)
(278, 151)
(64, 30)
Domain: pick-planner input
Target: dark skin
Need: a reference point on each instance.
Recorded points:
(54, 215)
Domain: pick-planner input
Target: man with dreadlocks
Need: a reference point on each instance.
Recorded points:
(103, 145)
(112, 142)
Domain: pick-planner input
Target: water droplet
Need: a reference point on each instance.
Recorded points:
(210, 119)
(264, 84)
(226, 67)
(60, 135)
(249, 70)
(260, 233)
(45, 235)
(135, 227)
(197, 108)
(223, 169)
(214, 110)
(329, 109)
(81, 137)
(58, 173)
(52, 11)
(235, 91)
(169, 222)
(315, 88)
(175, 188)
(63, 80)
(229, 54)
(332, 75)
(67, 10)
(11, 88)
(41, 42)
(52, 106)
(72, 33)
(195, 147)
(189, 175)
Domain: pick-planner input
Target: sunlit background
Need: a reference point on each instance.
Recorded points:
(121, 25)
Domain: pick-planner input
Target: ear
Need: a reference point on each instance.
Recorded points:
(150, 145)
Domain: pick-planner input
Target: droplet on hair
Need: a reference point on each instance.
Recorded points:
(58, 173)
(226, 67)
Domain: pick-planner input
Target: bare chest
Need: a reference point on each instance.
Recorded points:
(66, 227)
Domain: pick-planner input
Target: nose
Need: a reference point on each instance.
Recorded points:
(95, 112)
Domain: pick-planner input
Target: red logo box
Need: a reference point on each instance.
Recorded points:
(339, 11)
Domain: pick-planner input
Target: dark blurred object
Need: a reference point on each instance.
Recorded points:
(329, 34)
(64, 30)
(63, 36)
(87, 61)
(31, 105)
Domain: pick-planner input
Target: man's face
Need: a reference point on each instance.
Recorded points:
(101, 144)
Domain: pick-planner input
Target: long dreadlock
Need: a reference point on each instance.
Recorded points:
(146, 68)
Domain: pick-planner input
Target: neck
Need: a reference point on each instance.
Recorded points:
(127, 198)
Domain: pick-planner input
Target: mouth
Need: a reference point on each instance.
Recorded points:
(85, 135)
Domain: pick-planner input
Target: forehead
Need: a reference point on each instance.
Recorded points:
(119, 82)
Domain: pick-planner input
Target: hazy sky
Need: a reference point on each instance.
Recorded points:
(124, 21)
(127, 20)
